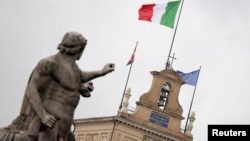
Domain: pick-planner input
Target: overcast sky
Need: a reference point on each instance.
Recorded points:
(212, 34)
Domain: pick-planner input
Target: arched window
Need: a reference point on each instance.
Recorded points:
(163, 96)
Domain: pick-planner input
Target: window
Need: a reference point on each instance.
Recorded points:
(163, 96)
(147, 138)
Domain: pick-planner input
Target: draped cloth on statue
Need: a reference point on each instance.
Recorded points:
(20, 128)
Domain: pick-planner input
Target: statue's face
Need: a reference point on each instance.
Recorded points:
(79, 54)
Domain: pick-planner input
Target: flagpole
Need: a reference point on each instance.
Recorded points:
(127, 80)
(191, 103)
(170, 50)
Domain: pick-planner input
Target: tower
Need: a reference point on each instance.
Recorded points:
(159, 107)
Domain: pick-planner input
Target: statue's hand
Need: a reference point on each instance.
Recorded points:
(86, 88)
(109, 67)
(49, 120)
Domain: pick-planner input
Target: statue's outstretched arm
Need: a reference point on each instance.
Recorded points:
(87, 76)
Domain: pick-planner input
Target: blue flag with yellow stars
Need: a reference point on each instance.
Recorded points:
(189, 78)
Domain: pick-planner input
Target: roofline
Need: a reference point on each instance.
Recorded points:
(129, 123)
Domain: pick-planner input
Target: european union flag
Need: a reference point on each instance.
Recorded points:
(190, 78)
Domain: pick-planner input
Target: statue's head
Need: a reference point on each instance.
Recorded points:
(72, 43)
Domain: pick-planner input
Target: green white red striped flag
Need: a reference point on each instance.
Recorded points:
(163, 14)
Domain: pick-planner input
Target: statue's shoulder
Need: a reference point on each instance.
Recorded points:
(47, 65)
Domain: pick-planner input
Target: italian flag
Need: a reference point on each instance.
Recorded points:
(163, 14)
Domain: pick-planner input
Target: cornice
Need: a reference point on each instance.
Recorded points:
(141, 127)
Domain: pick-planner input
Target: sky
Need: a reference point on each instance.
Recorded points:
(212, 35)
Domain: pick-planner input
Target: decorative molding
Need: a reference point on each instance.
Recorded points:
(130, 123)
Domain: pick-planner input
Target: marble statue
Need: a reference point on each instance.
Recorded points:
(52, 94)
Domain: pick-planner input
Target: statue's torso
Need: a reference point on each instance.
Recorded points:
(62, 95)
(63, 88)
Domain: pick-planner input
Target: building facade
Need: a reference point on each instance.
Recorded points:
(157, 116)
